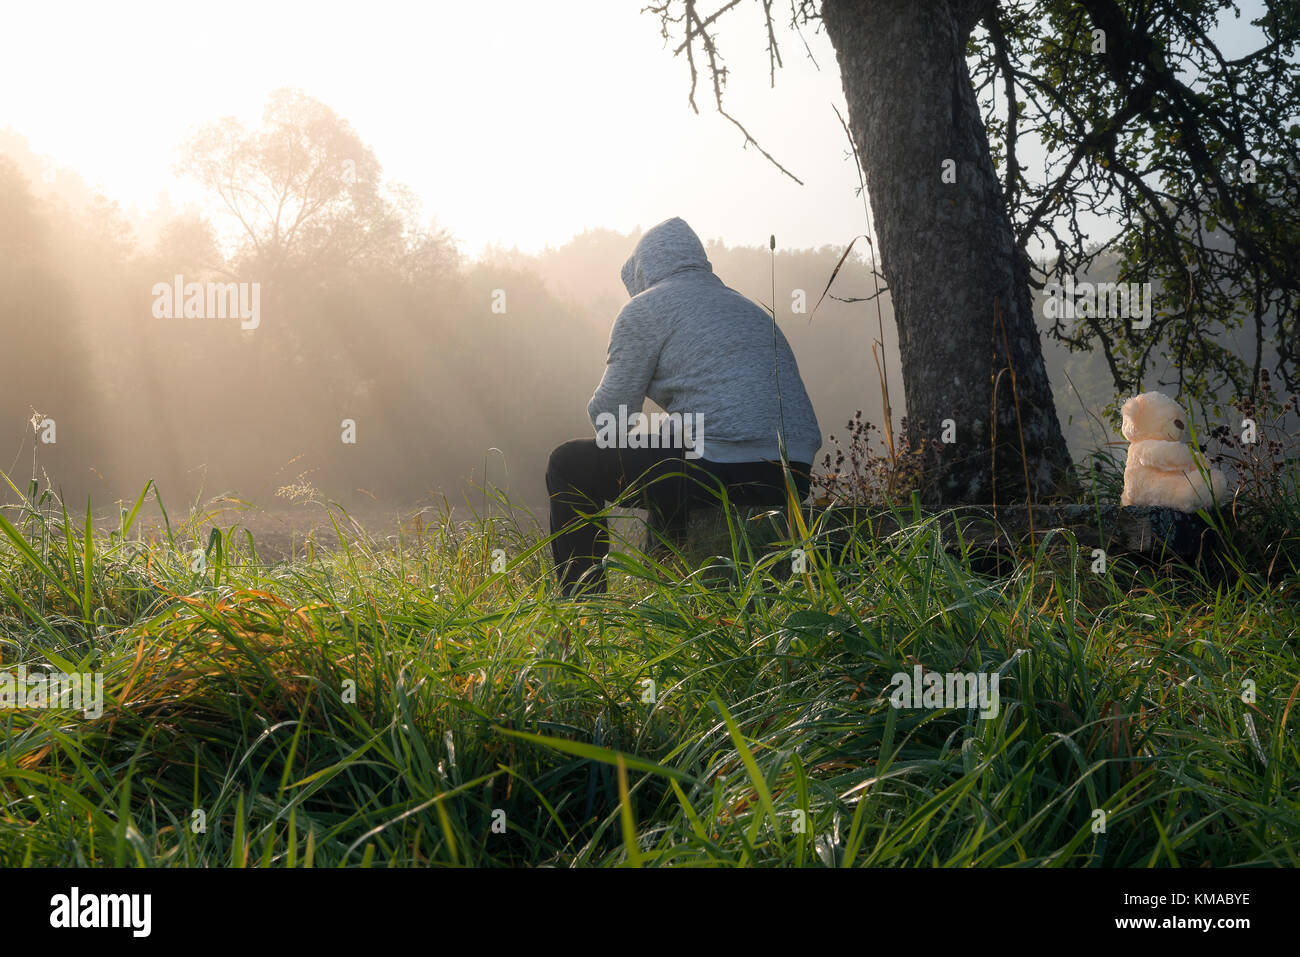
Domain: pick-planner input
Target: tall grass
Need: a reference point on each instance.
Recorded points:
(397, 703)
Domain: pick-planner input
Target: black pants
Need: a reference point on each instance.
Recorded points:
(582, 477)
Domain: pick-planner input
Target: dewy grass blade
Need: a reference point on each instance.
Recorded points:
(751, 768)
(35, 561)
(625, 816)
(594, 753)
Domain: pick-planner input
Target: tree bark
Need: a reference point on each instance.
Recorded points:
(947, 251)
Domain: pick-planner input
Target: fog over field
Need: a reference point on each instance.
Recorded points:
(406, 268)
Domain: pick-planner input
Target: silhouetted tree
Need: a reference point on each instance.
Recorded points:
(1105, 85)
(304, 191)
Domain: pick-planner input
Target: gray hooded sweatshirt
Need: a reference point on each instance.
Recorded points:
(697, 347)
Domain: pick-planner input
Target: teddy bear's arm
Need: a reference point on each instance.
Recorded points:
(1159, 454)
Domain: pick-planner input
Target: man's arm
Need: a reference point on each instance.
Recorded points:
(634, 345)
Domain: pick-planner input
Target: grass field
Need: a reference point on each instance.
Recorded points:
(397, 702)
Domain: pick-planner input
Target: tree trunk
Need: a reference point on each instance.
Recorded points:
(947, 251)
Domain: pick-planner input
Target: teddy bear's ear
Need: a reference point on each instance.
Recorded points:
(1129, 410)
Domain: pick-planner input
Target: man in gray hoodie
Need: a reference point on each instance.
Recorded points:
(729, 383)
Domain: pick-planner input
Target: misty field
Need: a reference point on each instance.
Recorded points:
(395, 701)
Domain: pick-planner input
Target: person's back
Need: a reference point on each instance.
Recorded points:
(716, 362)
(696, 346)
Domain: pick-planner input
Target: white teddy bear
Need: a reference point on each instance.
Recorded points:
(1162, 469)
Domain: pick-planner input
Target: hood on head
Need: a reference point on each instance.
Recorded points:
(665, 249)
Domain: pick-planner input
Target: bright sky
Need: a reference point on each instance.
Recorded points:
(515, 121)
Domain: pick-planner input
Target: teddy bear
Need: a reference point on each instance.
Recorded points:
(1162, 469)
